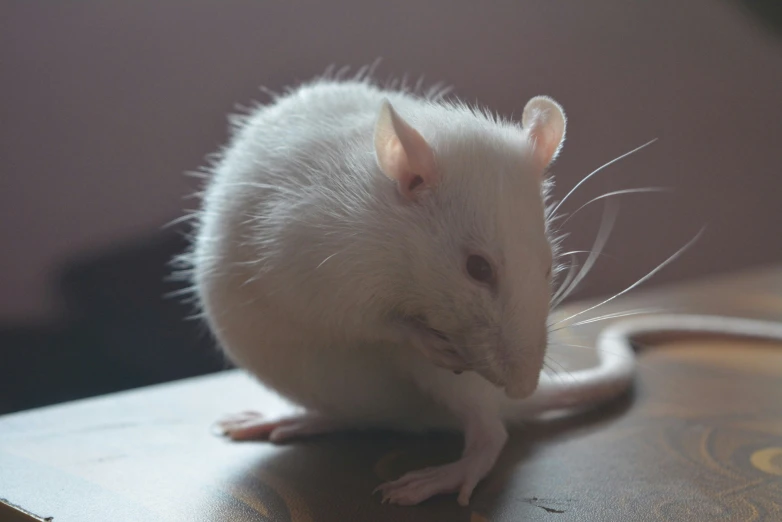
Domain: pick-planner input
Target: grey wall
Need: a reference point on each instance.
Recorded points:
(105, 104)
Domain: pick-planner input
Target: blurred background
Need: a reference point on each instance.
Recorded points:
(106, 104)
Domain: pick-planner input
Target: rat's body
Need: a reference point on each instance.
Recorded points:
(330, 263)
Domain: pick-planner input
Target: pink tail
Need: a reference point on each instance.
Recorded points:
(592, 387)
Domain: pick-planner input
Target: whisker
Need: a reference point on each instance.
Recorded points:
(568, 278)
(598, 170)
(615, 193)
(553, 373)
(645, 278)
(606, 226)
(572, 252)
(637, 360)
(615, 315)
(595, 348)
(563, 369)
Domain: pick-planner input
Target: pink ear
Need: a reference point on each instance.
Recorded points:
(544, 121)
(403, 154)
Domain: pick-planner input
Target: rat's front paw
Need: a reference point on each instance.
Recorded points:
(251, 425)
(417, 486)
(484, 439)
(242, 426)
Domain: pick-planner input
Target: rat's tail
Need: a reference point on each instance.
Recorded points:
(614, 374)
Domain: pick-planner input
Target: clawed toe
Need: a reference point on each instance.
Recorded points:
(417, 486)
(252, 425)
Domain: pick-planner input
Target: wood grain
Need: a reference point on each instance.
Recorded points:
(699, 438)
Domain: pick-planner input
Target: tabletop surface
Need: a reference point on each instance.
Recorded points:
(698, 438)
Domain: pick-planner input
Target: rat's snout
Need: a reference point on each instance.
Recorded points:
(523, 370)
(517, 372)
(522, 387)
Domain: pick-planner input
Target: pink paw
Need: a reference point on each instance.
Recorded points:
(417, 486)
(250, 425)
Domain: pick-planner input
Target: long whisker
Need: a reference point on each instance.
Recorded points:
(638, 362)
(645, 278)
(606, 225)
(554, 373)
(617, 315)
(563, 254)
(568, 278)
(606, 317)
(612, 314)
(563, 369)
(598, 170)
(637, 345)
(615, 193)
(595, 348)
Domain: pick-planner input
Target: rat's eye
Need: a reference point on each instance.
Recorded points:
(480, 269)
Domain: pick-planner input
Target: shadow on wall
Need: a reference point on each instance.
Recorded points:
(123, 330)
(768, 12)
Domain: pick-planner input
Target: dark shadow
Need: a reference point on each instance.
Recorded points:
(767, 12)
(121, 329)
(334, 475)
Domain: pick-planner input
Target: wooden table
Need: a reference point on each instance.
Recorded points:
(699, 439)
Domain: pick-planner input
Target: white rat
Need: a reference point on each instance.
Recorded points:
(383, 260)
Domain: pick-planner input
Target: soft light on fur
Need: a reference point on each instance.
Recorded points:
(325, 272)
(303, 240)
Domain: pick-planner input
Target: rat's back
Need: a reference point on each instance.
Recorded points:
(297, 183)
(285, 160)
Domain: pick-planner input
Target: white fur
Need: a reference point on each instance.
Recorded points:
(305, 255)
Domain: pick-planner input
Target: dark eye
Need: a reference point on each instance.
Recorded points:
(480, 269)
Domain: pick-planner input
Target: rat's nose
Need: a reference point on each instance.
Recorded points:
(521, 388)
(522, 380)
(523, 373)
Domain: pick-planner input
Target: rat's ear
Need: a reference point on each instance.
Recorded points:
(403, 154)
(544, 121)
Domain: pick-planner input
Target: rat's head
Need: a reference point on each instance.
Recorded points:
(477, 285)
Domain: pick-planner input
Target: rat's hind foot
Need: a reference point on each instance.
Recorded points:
(483, 445)
(250, 425)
